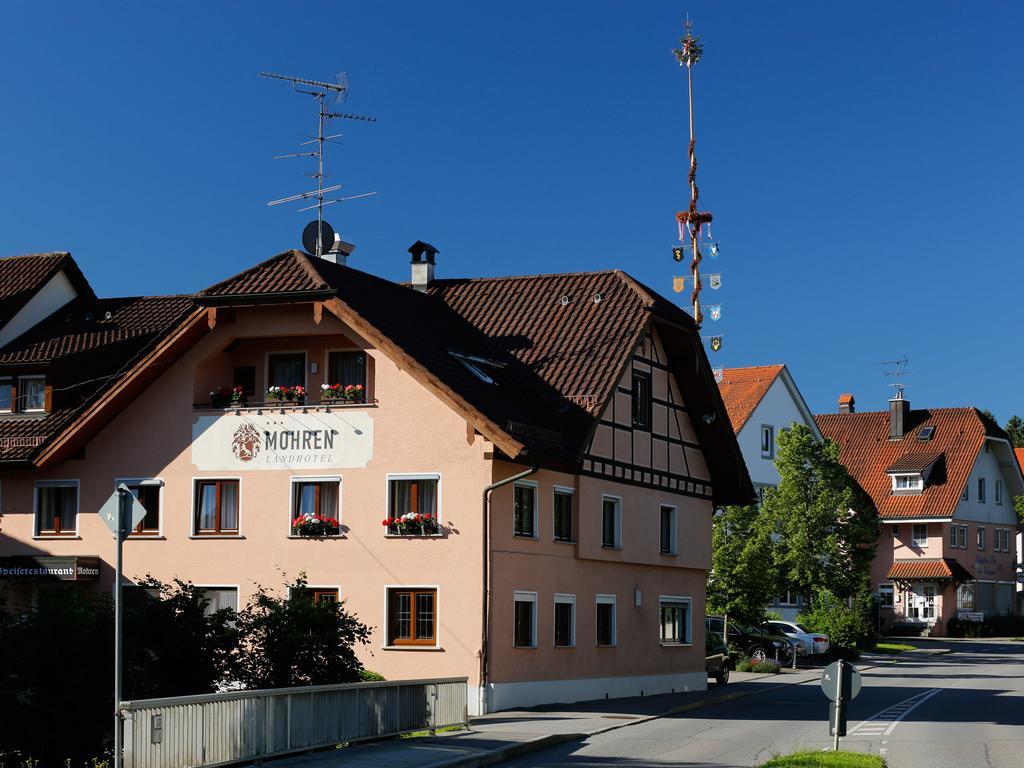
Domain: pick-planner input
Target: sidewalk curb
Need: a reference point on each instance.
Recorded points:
(502, 754)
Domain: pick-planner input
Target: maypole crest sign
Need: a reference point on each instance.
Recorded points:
(275, 440)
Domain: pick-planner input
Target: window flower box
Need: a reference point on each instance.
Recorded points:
(340, 394)
(222, 397)
(315, 526)
(412, 524)
(296, 394)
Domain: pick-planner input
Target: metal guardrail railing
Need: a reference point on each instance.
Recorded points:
(234, 726)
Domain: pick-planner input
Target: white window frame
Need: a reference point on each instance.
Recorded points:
(236, 587)
(979, 538)
(952, 536)
(962, 537)
(889, 589)
(77, 485)
(673, 549)
(10, 382)
(192, 509)
(981, 488)
(998, 492)
(20, 390)
(607, 600)
(767, 446)
(789, 599)
(536, 521)
(387, 613)
(387, 500)
(157, 481)
(966, 495)
(911, 481)
(562, 490)
(293, 480)
(915, 540)
(688, 626)
(618, 521)
(564, 599)
(521, 596)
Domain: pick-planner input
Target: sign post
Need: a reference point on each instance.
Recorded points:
(121, 512)
(841, 683)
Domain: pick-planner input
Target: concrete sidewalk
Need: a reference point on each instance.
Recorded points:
(502, 736)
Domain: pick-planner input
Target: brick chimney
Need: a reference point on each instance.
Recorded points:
(422, 264)
(846, 403)
(899, 415)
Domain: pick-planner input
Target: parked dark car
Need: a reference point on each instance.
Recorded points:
(758, 643)
(716, 657)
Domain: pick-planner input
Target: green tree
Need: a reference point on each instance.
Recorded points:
(175, 646)
(744, 576)
(1015, 429)
(824, 527)
(292, 640)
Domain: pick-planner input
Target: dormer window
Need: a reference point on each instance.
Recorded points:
(23, 394)
(907, 483)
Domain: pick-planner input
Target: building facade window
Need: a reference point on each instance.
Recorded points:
(885, 595)
(412, 616)
(56, 503)
(611, 522)
(216, 507)
(524, 510)
(562, 514)
(524, 629)
(219, 598)
(999, 492)
(675, 620)
(788, 598)
(965, 597)
(962, 537)
(413, 505)
(981, 490)
(952, 535)
(319, 595)
(6, 395)
(668, 530)
(767, 441)
(919, 535)
(981, 537)
(148, 494)
(907, 482)
(286, 369)
(606, 620)
(565, 621)
(31, 394)
(966, 496)
(641, 400)
(346, 368)
(317, 497)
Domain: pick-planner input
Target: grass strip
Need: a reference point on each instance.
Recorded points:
(894, 648)
(826, 760)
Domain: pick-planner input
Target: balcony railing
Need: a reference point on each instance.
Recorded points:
(285, 405)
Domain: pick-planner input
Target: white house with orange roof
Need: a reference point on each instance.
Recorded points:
(761, 401)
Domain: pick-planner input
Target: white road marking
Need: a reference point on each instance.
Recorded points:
(883, 723)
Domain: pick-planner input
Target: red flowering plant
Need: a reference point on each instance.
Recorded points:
(411, 524)
(238, 396)
(311, 524)
(336, 393)
(296, 394)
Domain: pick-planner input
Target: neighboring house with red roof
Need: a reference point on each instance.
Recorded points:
(943, 482)
(522, 484)
(763, 400)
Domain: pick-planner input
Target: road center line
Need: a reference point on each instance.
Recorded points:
(911, 708)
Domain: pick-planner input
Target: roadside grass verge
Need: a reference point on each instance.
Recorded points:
(421, 734)
(1018, 639)
(894, 648)
(825, 760)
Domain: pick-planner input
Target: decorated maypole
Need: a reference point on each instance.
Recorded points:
(693, 222)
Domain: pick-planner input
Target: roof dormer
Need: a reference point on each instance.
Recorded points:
(911, 472)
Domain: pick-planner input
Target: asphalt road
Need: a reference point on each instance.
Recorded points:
(961, 710)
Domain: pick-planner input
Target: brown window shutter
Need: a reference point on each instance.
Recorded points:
(48, 398)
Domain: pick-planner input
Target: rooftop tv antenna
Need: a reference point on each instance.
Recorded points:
(319, 234)
(899, 371)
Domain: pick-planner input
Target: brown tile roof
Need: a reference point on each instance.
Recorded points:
(927, 570)
(554, 360)
(1019, 453)
(867, 452)
(914, 462)
(743, 388)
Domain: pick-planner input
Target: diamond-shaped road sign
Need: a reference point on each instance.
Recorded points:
(109, 511)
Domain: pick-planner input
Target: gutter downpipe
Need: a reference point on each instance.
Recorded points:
(486, 628)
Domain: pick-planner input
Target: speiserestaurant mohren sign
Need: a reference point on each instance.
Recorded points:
(53, 567)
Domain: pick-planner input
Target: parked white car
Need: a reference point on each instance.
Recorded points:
(814, 643)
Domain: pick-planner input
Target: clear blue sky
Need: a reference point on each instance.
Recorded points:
(863, 161)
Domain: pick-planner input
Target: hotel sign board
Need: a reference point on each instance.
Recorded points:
(72, 568)
(282, 440)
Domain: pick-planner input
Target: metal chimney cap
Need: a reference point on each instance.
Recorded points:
(419, 249)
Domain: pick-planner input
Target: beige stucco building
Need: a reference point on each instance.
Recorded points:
(583, 578)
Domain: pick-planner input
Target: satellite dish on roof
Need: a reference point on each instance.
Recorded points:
(326, 237)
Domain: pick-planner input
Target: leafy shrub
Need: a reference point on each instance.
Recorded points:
(767, 667)
(744, 665)
(369, 676)
(846, 623)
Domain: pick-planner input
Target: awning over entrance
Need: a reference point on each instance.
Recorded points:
(937, 569)
(51, 567)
